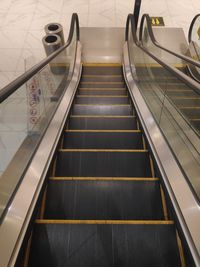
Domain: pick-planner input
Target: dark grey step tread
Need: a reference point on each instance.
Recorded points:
(123, 140)
(159, 69)
(146, 76)
(191, 112)
(191, 102)
(102, 70)
(102, 85)
(76, 245)
(196, 124)
(103, 92)
(103, 164)
(104, 200)
(179, 93)
(118, 110)
(165, 88)
(102, 78)
(102, 100)
(172, 86)
(102, 123)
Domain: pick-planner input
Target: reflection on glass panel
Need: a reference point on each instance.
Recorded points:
(25, 115)
(196, 32)
(174, 105)
(13, 126)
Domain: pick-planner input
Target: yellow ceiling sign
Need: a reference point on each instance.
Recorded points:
(157, 21)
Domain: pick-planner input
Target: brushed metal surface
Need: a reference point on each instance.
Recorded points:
(183, 200)
(102, 45)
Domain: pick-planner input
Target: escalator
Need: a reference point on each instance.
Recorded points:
(185, 99)
(103, 187)
(193, 37)
(169, 88)
(194, 46)
(103, 204)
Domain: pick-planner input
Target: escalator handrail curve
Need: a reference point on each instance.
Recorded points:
(156, 43)
(191, 28)
(9, 89)
(180, 75)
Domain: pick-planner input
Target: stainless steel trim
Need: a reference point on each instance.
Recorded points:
(15, 223)
(183, 200)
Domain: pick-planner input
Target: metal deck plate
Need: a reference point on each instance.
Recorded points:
(105, 45)
(102, 45)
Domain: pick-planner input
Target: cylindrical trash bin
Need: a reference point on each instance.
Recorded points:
(55, 28)
(51, 43)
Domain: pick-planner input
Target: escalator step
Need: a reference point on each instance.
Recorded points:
(104, 163)
(196, 124)
(104, 200)
(76, 245)
(102, 91)
(102, 70)
(102, 123)
(191, 102)
(102, 100)
(103, 140)
(171, 84)
(102, 78)
(180, 93)
(191, 112)
(118, 110)
(102, 84)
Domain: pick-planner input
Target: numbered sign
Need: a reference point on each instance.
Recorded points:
(157, 21)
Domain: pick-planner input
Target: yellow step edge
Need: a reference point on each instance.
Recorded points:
(166, 82)
(101, 64)
(155, 65)
(103, 131)
(105, 150)
(101, 82)
(103, 89)
(181, 251)
(181, 107)
(100, 117)
(103, 179)
(101, 75)
(105, 96)
(191, 98)
(178, 90)
(134, 222)
(120, 105)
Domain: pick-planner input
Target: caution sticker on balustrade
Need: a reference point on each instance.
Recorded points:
(157, 21)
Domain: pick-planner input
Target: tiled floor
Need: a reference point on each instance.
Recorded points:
(22, 22)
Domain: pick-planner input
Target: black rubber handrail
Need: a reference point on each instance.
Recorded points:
(180, 75)
(191, 28)
(9, 89)
(156, 43)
